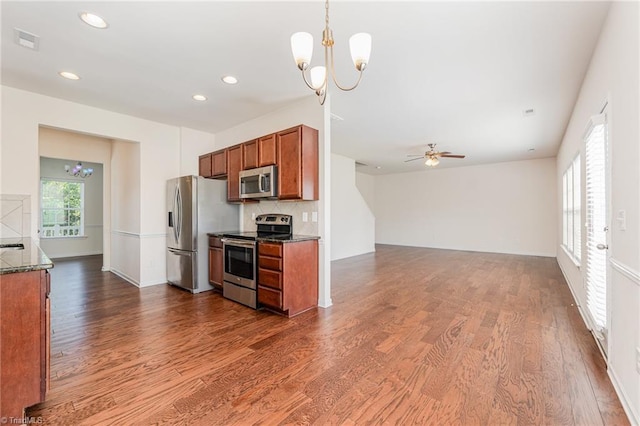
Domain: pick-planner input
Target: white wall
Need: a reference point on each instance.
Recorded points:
(503, 208)
(613, 76)
(159, 146)
(366, 186)
(193, 143)
(352, 222)
(306, 111)
(91, 242)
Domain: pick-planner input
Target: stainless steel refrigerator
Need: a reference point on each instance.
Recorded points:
(195, 206)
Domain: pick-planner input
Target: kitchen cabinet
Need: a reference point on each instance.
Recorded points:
(288, 276)
(219, 164)
(213, 164)
(260, 152)
(234, 165)
(267, 150)
(204, 166)
(25, 340)
(216, 262)
(297, 160)
(251, 153)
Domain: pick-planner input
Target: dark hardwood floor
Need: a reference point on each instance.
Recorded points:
(415, 336)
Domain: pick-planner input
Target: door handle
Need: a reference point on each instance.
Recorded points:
(602, 247)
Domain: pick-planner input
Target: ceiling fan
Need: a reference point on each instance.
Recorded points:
(432, 156)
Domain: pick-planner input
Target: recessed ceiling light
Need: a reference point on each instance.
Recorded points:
(199, 97)
(229, 79)
(69, 75)
(378, 167)
(94, 20)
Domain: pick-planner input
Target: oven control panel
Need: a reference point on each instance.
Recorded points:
(273, 218)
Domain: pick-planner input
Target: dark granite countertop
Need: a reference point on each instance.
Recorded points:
(271, 238)
(31, 258)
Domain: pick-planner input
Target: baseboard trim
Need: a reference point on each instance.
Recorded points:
(583, 315)
(624, 400)
(125, 277)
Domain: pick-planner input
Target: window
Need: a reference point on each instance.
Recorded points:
(571, 231)
(62, 213)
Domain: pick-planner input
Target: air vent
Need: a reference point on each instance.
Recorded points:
(25, 39)
(528, 112)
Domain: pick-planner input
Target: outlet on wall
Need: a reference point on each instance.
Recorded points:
(314, 216)
(305, 217)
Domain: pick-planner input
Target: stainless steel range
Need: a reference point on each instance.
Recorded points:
(241, 255)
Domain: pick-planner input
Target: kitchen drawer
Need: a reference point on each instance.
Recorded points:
(215, 242)
(270, 278)
(269, 249)
(270, 297)
(274, 263)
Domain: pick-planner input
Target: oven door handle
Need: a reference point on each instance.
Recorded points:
(238, 243)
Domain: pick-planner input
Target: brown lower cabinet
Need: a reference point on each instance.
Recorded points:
(216, 262)
(288, 276)
(25, 341)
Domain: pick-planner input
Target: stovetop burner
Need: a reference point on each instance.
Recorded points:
(273, 226)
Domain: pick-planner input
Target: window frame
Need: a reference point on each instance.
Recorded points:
(81, 209)
(572, 210)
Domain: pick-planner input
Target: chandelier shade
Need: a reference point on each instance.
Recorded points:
(302, 49)
(360, 48)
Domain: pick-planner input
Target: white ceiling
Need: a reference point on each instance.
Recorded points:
(458, 74)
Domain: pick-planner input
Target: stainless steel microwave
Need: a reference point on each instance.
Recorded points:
(259, 183)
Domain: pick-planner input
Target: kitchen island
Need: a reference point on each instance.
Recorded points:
(24, 325)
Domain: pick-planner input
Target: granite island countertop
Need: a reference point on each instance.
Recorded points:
(271, 238)
(31, 258)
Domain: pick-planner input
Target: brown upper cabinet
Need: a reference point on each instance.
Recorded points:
(297, 162)
(267, 150)
(251, 152)
(234, 165)
(260, 152)
(294, 151)
(213, 164)
(204, 165)
(219, 163)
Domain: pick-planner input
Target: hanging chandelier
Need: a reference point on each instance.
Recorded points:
(78, 170)
(302, 49)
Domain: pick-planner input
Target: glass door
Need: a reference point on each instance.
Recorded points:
(597, 225)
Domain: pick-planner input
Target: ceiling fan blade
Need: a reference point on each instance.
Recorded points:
(414, 159)
(415, 155)
(442, 153)
(452, 156)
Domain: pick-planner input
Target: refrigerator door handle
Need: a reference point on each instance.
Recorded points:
(178, 214)
(180, 252)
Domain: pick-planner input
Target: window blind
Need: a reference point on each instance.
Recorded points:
(596, 221)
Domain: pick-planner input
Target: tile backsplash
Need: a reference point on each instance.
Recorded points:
(15, 216)
(294, 208)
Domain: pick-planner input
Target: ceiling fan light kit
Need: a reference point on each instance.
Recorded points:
(302, 49)
(432, 156)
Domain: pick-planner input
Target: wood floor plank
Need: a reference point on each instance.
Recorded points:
(415, 337)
